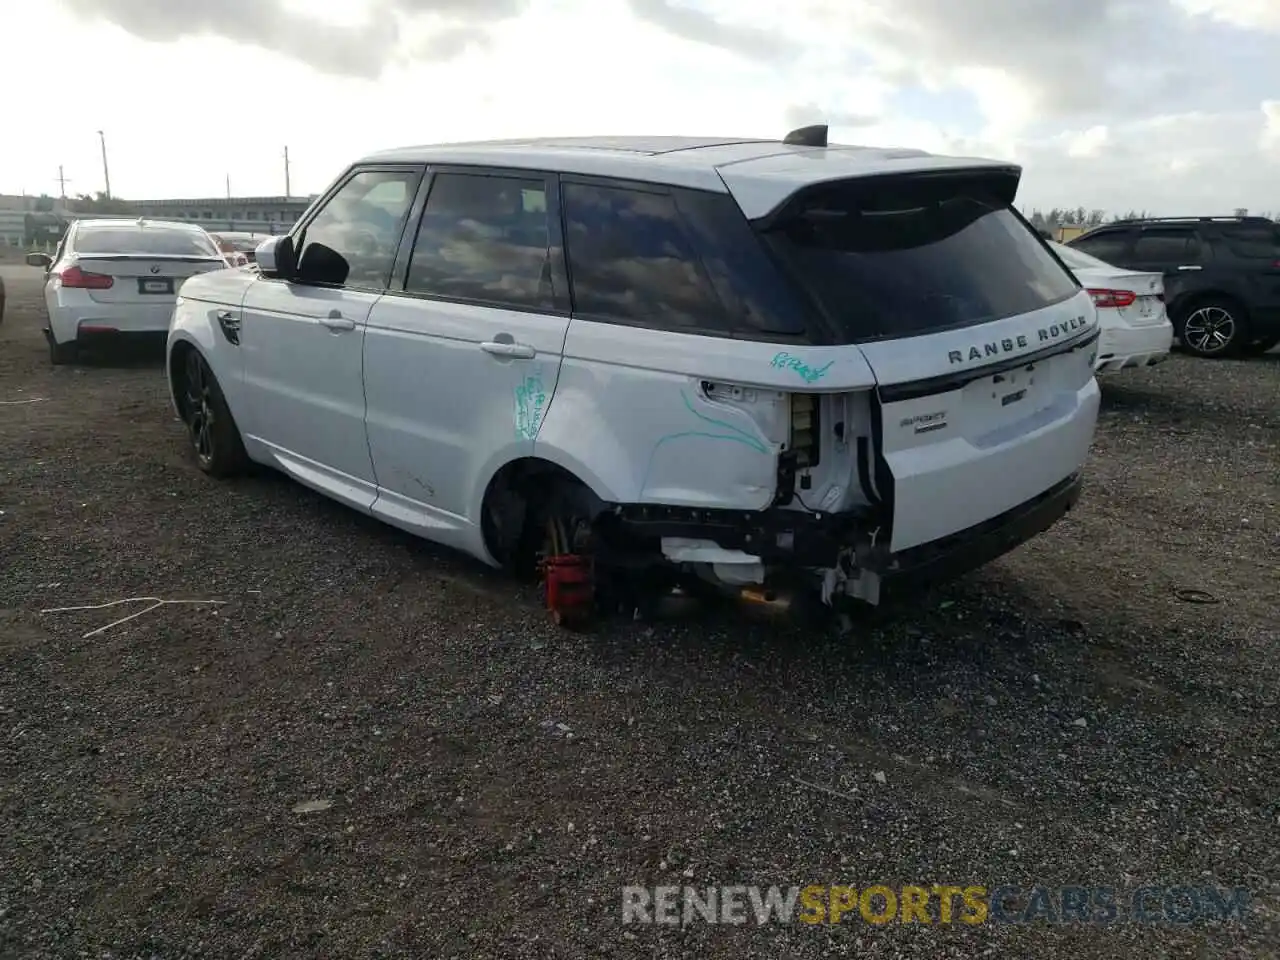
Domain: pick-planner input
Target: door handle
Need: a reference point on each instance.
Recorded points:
(514, 351)
(1191, 267)
(337, 323)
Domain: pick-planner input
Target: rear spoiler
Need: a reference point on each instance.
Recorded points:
(1000, 182)
(164, 257)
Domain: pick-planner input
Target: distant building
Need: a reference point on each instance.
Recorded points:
(241, 214)
(18, 215)
(269, 215)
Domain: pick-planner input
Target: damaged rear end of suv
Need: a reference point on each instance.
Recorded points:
(913, 397)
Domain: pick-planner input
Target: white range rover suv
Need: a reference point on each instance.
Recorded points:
(740, 363)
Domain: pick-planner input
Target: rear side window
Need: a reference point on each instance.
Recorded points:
(1077, 259)
(682, 260)
(147, 241)
(1166, 245)
(887, 261)
(1254, 243)
(1108, 247)
(632, 259)
(485, 239)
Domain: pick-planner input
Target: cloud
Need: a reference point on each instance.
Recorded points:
(1171, 165)
(1247, 14)
(362, 50)
(1270, 139)
(698, 26)
(1028, 61)
(1091, 143)
(803, 114)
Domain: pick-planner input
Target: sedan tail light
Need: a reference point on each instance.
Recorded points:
(1112, 298)
(78, 279)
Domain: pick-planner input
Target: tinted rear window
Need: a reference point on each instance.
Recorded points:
(892, 262)
(1078, 259)
(150, 241)
(1161, 245)
(1110, 248)
(1261, 242)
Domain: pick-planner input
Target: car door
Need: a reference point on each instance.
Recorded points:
(1178, 252)
(463, 355)
(302, 340)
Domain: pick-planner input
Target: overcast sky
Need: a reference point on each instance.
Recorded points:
(1167, 105)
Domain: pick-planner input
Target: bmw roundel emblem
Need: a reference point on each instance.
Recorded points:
(155, 268)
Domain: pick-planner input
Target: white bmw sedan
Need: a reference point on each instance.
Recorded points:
(119, 279)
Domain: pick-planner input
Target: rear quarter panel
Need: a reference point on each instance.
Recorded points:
(631, 416)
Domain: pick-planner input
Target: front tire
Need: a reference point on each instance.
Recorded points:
(215, 438)
(1213, 328)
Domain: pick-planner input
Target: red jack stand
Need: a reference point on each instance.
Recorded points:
(570, 588)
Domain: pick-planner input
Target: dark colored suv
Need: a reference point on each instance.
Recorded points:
(1221, 276)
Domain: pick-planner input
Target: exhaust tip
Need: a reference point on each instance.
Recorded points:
(765, 598)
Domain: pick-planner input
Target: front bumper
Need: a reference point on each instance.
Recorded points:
(1121, 347)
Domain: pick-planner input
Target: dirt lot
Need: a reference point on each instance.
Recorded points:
(490, 784)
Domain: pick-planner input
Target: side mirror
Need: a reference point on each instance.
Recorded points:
(275, 257)
(321, 264)
(42, 260)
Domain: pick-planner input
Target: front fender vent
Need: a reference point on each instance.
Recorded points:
(229, 322)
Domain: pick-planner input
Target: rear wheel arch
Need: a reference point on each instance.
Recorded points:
(520, 496)
(1190, 301)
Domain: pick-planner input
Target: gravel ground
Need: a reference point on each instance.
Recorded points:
(488, 784)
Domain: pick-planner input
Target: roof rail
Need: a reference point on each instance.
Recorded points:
(811, 136)
(1228, 219)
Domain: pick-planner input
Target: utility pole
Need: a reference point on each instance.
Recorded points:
(106, 174)
(62, 183)
(288, 192)
(228, 186)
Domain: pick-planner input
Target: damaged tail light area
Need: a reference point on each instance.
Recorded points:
(821, 442)
(805, 445)
(821, 467)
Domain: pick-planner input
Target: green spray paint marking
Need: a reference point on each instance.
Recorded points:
(531, 401)
(785, 361)
(733, 434)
